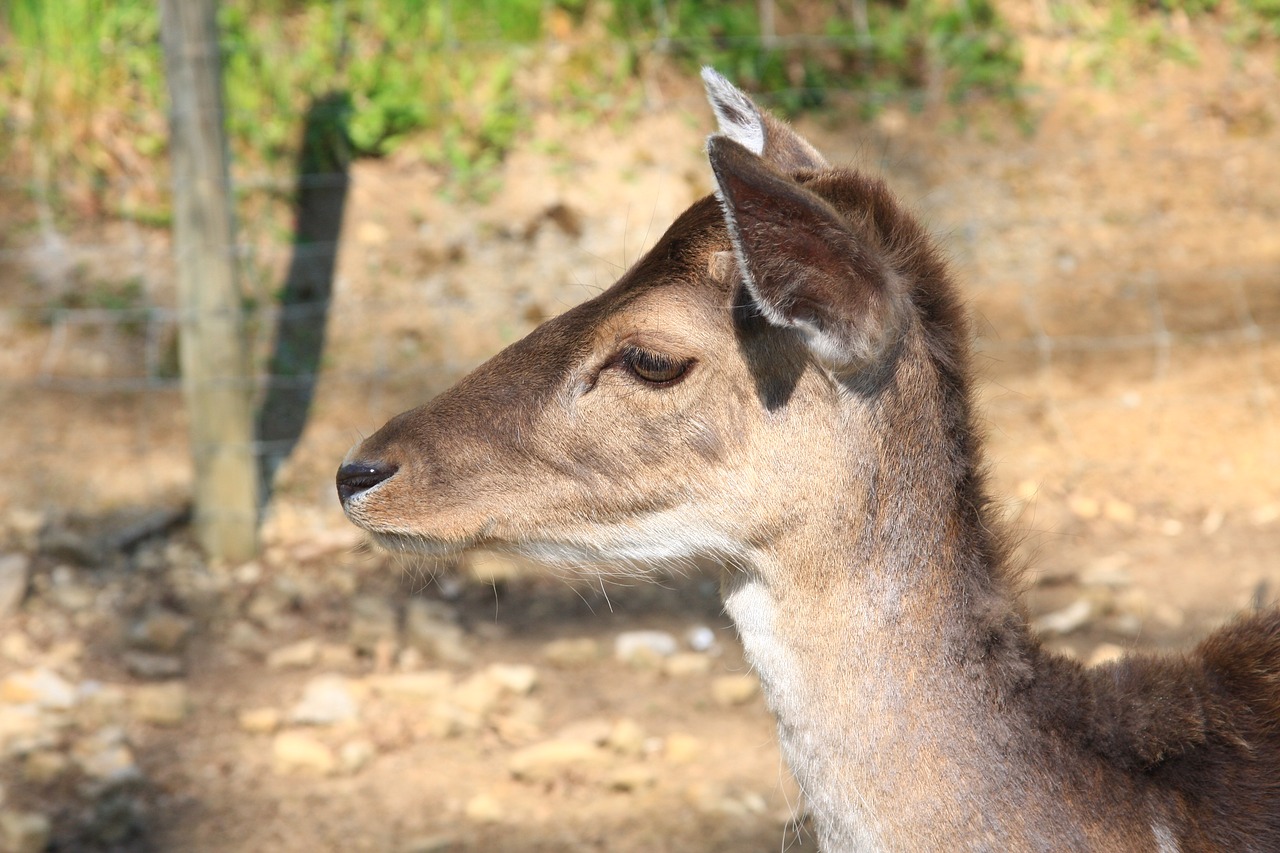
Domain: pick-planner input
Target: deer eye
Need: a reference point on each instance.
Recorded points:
(653, 368)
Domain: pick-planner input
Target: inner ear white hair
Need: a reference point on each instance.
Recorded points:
(738, 117)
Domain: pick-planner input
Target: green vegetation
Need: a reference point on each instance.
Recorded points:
(82, 92)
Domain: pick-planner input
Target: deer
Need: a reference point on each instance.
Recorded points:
(782, 383)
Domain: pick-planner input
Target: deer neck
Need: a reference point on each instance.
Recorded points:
(865, 641)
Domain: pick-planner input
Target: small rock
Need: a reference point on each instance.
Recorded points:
(684, 664)
(483, 808)
(479, 694)
(1107, 571)
(1070, 618)
(571, 652)
(16, 646)
(326, 700)
(444, 719)
(1212, 521)
(26, 525)
(24, 832)
(301, 752)
(153, 666)
(431, 627)
(514, 678)
(14, 573)
(161, 631)
(261, 721)
(20, 729)
(1105, 653)
(430, 684)
(1119, 512)
(681, 748)
(1168, 615)
(550, 760)
(522, 724)
(644, 648)
(161, 704)
(355, 755)
(489, 568)
(1265, 515)
(39, 686)
(633, 777)
(730, 690)
(373, 621)
(701, 638)
(626, 737)
(245, 637)
(43, 766)
(593, 731)
(1084, 507)
(299, 655)
(105, 757)
(1171, 527)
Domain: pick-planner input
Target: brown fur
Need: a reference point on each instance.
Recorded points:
(821, 439)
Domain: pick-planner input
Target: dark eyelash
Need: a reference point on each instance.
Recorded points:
(653, 368)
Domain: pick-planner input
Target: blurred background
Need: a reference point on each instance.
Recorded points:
(416, 184)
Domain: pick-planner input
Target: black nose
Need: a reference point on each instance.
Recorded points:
(360, 477)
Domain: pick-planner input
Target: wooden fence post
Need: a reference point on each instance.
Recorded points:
(212, 346)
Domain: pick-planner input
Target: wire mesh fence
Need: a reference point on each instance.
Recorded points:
(1126, 287)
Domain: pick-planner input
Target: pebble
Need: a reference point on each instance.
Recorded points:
(1105, 653)
(490, 568)
(24, 832)
(571, 652)
(40, 686)
(43, 766)
(431, 627)
(644, 648)
(105, 757)
(373, 621)
(17, 647)
(1070, 618)
(519, 679)
(1084, 507)
(355, 755)
(14, 572)
(701, 638)
(154, 666)
(326, 700)
(1107, 571)
(299, 655)
(479, 694)
(730, 690)
(550, 760)
(522, 724)
(593, 731)
(681, 748)
(626, 737)
(429, 684)
(161, 631)
(1120, 512)
(1211, 523)
(161, 704)
(294, 751)
(483, 808)
(684, 664)
(20, 728)
(633, 777)
(259, 720)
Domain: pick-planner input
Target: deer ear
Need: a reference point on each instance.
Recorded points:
(760, 133)
(802, 264)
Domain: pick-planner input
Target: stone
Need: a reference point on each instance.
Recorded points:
(262, 721)
(594, 731)
(489, 568)
(571, 652)
(554, 759)
(683, 664)
(1070, 618)
(644, 648)
(21, 729)
(299, 752)
(24, 832)
(626, 737)
(1108, 571)
(729, 690)
(633, 777)
(479, 694)
(373, 621)
(519, 679)
(1210, 524)
(522, 724)
(43, 766)
(161, 704)
(39, 686)
(154, 666)
(701, 638)
(14, 574)
(1105, 653)
(429, 684)
(1084, 507)
(483, 808)
(16, 646)
(106, 758)
(1120, 512)
(326, 700)
(431, 628)
(161, 631)
(681, 748)
(355, 755)
(246, 637)
(299, 655)
(444, 719)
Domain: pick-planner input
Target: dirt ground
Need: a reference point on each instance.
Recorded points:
(1123, 261)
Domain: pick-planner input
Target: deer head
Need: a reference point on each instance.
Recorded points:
(721, 393)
